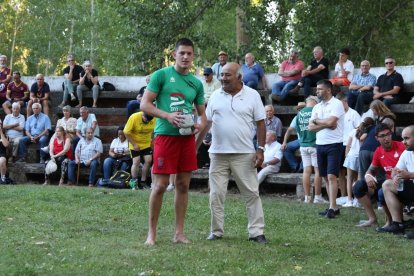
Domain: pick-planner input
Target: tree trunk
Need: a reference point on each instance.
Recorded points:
(241, 31)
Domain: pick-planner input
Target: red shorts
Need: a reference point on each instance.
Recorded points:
(174, 154)
(341, 81)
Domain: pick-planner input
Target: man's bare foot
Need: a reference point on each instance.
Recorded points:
(149, 242)
(367, 223)
(181, 239)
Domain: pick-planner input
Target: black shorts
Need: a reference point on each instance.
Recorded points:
(406, 196)
(141, 153)
(329, 159)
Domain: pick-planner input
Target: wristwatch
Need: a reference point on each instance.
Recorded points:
(261, 147)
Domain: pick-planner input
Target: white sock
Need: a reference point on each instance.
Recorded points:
(3, 177)
(318, 196)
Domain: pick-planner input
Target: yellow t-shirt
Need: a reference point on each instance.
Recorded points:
(141, 132)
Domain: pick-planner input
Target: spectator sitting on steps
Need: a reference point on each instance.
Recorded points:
(133, 105)
(72, 74)
(272, 157)
(85, 121)
(14, 126)
(39, 93)
(88, 81)
(17, 91)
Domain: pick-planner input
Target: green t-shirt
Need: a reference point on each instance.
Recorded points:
(307, 138)
(176, 93)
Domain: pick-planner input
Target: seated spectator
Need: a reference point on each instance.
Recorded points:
(67, 122)
(133, 105)
(85, 121)
(290, 72)
(119, 156)
(387, 89)
(385, 157)
(218, 66)
(210, 84)
(317, 70)
(5, 77)
(14, 126)
(344, 69)
(39, 93)
(272, 122)
(3, 155)
(139, 131)
(253, 72)
(272, 157)
(37, 130)
(72, 73)
(88, 81)
(17, 91)
(361, 83)
(399, 189)
(87, 154)
(60, 150)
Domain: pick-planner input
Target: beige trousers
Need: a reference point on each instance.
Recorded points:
(245, 175)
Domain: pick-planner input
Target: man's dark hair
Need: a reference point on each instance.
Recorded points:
(184, 42)
(381, 127)
(342, 97)
(345, 51)
(326, 83)
(120, 128)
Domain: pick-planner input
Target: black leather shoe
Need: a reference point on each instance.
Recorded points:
(259, 239)
(213, 237)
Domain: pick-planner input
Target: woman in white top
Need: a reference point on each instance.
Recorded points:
(119, 155)
(67, 122)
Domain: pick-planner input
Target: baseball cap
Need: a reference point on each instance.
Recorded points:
(222, 53)
(208, 71)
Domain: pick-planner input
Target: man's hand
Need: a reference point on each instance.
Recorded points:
(175, 118)
(371, 181)
(259, 159)
(283, 146)
(377, 95)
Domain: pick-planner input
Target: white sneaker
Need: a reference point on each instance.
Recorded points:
(348, 204)
(356, 203)
(412, 100)
(170, 187)
(45, 149)
(341, 200)
(320, 199)
(307, 199)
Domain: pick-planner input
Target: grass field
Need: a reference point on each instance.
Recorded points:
(82, 231)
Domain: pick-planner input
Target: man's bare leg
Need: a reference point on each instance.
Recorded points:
(182, 184)
(333, 191)
(372, 217)
(393, 203)
(160, 184)
(318, 182)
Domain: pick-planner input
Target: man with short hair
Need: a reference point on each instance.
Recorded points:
(232, 112)
(175, 91)
(85, 121)
(139, 131)
(14, 126)
(87, 154)
(384, 160)
(88, 81)
(327, 121)
(218, 66)
(133, 105)
(253, 73)
(5, 77)
(361, 83)
(317, 70)
(272, 122)
(39, 93)
(37, 132)
(272, 157)
(400, 188)
(387, 88)
(210, 84)
(17, 91)
(290, 72)
(72, 74)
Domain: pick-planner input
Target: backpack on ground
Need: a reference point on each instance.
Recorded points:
(118, 181)
(107, 86)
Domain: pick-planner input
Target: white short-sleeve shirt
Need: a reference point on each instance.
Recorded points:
(233, 120)
(352, 119)
(324, 110)
(271, 152)
(348, 66)
(406, 161)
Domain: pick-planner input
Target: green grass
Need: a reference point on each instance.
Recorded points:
(78, 231)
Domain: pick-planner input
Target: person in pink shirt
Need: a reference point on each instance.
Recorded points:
(290, 72)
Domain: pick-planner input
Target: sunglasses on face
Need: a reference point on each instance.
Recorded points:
(389, 62)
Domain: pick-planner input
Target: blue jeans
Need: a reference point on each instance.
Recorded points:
(132, 107)
(43, 142)
(72, 167)
(282, 88)
(109, 164)
(289, 154)
(252, 84)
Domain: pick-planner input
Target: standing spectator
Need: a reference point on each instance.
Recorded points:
(317, 70)
(17, 91)
(290, 72)
(175, 91)
(37, 130)
(327, 121)
(133, 105)
(253, 73)
(119, 155)
(232, 112)
(14, 126)
(60, 150)
(72, 74)
(344, 69)
(5, 77)
(39, 93)
(361, 83)
(88, 81)
(85, 121)
(139, 131)
(218, 66)
(272, 157)
(387, 89)
(3, 161)
(87, 154)
(210, 84)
